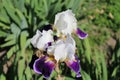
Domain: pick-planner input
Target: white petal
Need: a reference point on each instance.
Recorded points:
(70, 51)
(46, 37)
(71, 47)
(70, 40)
(60, 23)
(65, 22)
(41, 44)
(35, 38)
(50, 50)
(60, 52)
(65, 49)
(59, 42)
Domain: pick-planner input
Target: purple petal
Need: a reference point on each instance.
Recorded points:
(47, 45)
(81, 34)
(74, 65)
(34, 57)
(44, 66)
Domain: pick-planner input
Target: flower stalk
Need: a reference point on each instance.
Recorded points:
(57, 68)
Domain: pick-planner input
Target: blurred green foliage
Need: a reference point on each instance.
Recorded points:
(99, 53)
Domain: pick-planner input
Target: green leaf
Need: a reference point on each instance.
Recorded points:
(85, 76)
(87, 49)
(11, 51)
(21, 66)
(11, 11)
(41, 78)
(28, 42)
(9, 43)
(15, 29)
(27, 1)
(20, 5)
(73, 74)
(69, 78)
(98, 64)
(3, 16)
(116, 69)
(57, 7)
(53, 75)
(45, 7)
(104, 67)
(2, 77)
(3, 26)
(23, 39)
(2, 33)
(10, 37)
(28, 73)
(118, 53)
(73, 5)
(23, 19)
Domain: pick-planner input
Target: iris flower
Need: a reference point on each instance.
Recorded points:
(63, 50)
(55, 49)
(42, 39)
(66, 23)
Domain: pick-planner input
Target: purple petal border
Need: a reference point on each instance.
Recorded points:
(74, 65)
(44, 66)
(81, 34)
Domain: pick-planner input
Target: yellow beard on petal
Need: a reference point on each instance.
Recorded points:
(67, 59)
(50, 58)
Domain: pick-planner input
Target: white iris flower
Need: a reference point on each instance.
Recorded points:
(65, 22)
(40, 40)
(63, 49)
(58, 45)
